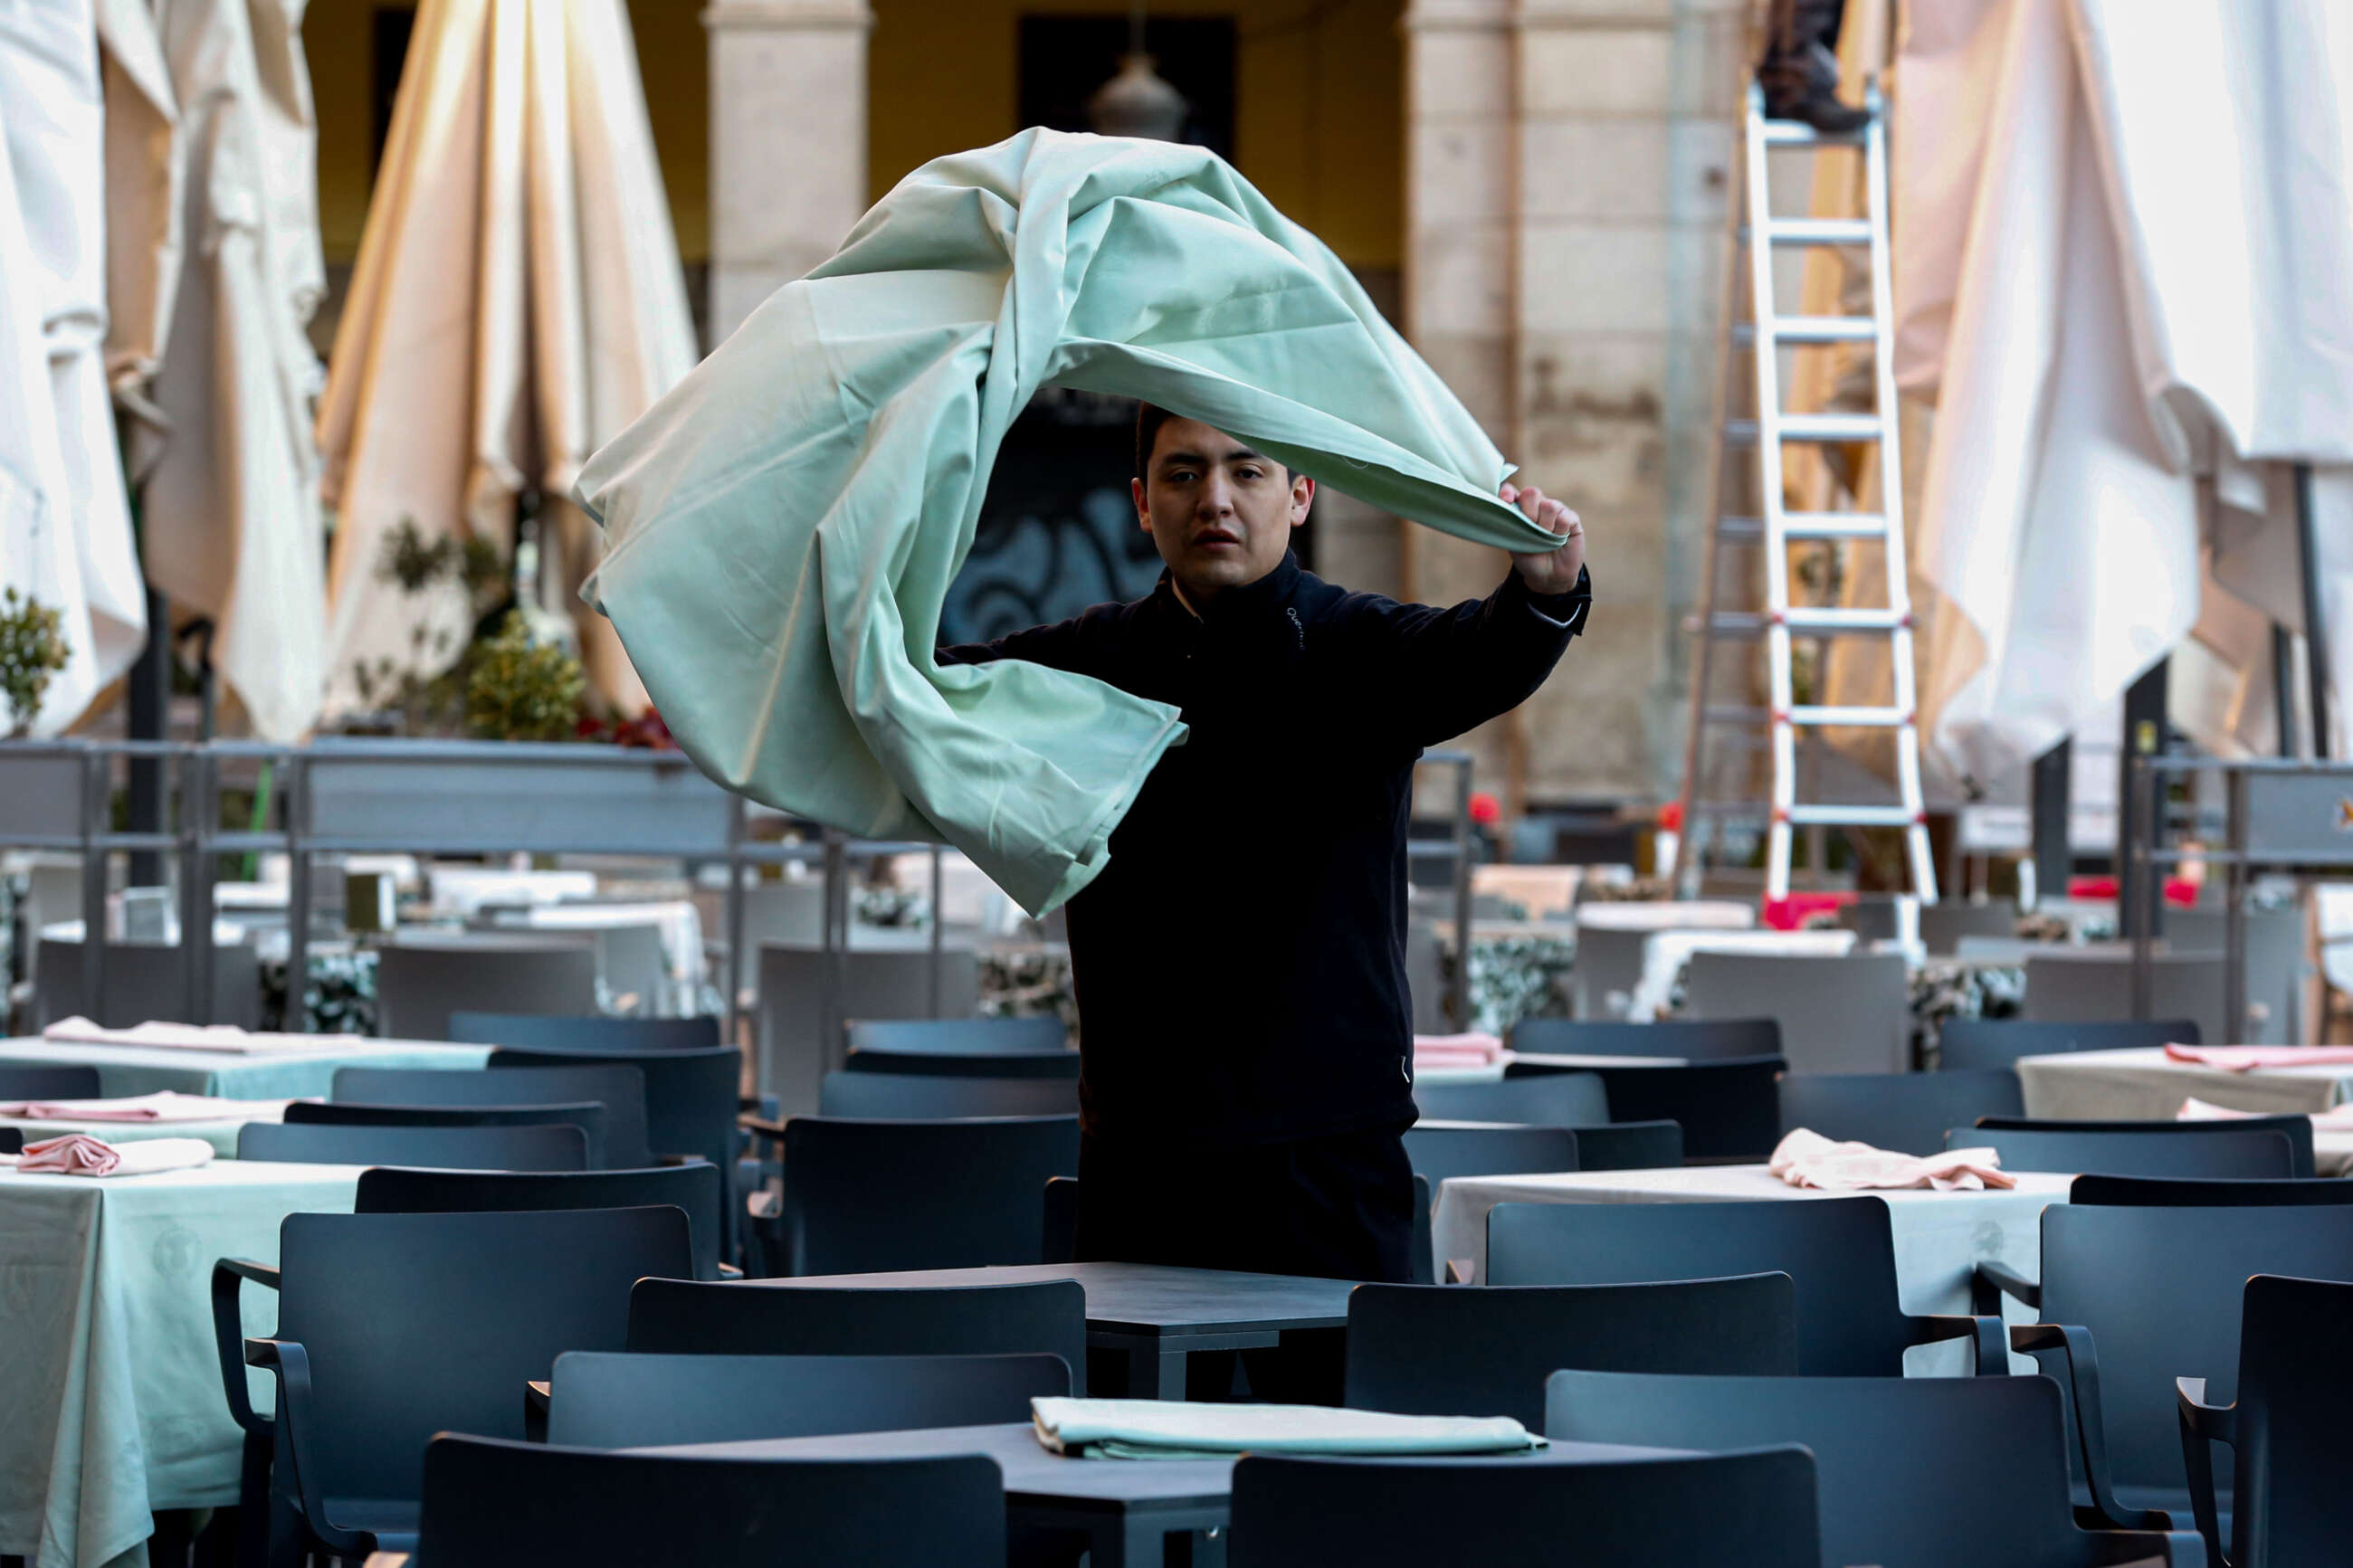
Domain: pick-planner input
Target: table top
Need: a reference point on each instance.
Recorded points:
(219, 1176)
(1147, 1298)
(1589, 1060)
(34, 1051)
(1725, 1184)
(2152, 1059)
(1034, 1475)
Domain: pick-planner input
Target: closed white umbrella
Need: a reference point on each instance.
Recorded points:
(2125, 258)
(518, 300)
(65, 528)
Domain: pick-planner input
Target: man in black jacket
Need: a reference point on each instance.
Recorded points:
(1239, 961)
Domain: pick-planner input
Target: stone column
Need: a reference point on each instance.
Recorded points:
(787, 143)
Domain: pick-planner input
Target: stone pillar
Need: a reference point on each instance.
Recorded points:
(787, 143)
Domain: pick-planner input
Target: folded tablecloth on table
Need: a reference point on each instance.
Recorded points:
(79, 1154)
(164, 1105)
(1161, 1429)
(156, 1034)
(1804, 1158)
(2246, 1058)
(2335, 1119)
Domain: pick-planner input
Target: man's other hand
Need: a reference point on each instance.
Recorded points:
(1548, 570)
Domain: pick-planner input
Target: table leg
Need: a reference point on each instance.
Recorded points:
(1128, 1541)
(1155, 1374)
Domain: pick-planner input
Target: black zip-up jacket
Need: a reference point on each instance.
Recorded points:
(1240, 961)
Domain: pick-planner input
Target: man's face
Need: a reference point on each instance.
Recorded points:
(1220, 513)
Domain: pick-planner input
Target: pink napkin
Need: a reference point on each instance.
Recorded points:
(2240, 1059)
(165, 1105)
(1457, 1050)
(79, 1154)
(2335, 1119)
(1807, 1159)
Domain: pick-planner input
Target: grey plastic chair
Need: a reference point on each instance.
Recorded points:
(590, 1034)
(1688, 1039)
(1439, 1152)
(2135, 1151)
(2274, 965)
(620, 1088)
(960, 1037)
(931, 1097)
(545, 1147)
(1608, 963)
(1837, 1015)
(1979, 1045)
(875, 983)
(420, 983)
(1545, 1099)
(2072, 987)
(1909, 1112)
(142, 984)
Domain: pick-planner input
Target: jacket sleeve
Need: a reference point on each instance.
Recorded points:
(1060, 646)
(1447, 671)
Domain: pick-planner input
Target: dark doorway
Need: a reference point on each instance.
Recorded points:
(1063, 60)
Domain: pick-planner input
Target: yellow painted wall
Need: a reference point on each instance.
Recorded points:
(1318, 118)
(671, 57)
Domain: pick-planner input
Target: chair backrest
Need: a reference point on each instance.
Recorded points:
(960, 1037)
(488, 1504)
(604, 1399)
(2295, 1127)
(677, 1317)
(1728, 1109)
(1930, 1472)
(2296, 1383)
(1630, 1146)
(586, 1034)
(1905, 1112)
(2227, 1191)
(1690, 1039)
(966, 1064)
(1981, 1045)
(587, 1115)
(547, 1147)
(1840, 1254)
(1608, 965)
(620, 1088)
(2160, 1292)
(694, 1189)
(862, 1197)
(1436, 1350)
(868, 982)
(692, 1096)
(419, 985)
(2070, 986)
(142, 981)
(1944, 924)
(1756, 1509)
(418, 1323)
(1850, 1014)
(1437, 1152)
(2144, 1152)
(31, 1082)
(2275, 964)
(926, 1097)
(1539, 1100)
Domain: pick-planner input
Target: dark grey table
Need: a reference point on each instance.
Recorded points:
(1127, 1509)
(1155, 1315)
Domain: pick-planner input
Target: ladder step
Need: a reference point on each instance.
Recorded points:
(1809, 525)
(1798, 133)
(1852, 817)
(1818, 231)
(1824, 428)
(1810, 329)
(1810, 622)
(1874, 718)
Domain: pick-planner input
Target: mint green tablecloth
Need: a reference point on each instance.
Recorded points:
(109, 1380)
(782, 527)
(123, 1070)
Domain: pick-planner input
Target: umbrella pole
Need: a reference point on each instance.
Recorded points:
(2316, 634)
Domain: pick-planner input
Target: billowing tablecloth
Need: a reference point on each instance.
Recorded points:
(1940, 1237)
(125, 1070)
(2146, 1084)
(112, 1386)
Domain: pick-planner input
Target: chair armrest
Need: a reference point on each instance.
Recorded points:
(1986, 1334)
(229, 1275)
(2083, 1381)
(2202, 1426)
(291, 1362)
(536, 1397)
(1992, 1282)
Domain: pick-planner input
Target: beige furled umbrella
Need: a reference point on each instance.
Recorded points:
(230, 497)
(65, 528)
(518, 300)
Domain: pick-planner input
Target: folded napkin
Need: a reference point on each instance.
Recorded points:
(2240, 1058)
(1165, 1429)
(1807, 1159)
(80, 1031)
(79, 1154)
(165, 1105)
(1458, 1050)
(2335, 1119)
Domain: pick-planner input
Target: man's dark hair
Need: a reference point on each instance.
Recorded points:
(1149, 418)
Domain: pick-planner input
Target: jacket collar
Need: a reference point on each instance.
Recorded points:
(1235, 605)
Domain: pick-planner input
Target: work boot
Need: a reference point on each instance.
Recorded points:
(1803, 86)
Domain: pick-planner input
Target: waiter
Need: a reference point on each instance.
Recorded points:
(1240, 961)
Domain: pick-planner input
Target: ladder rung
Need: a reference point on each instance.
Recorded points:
(1809, 525)
(1810, 329)
(1818, 231)
(1825, 428)
(1798, 133)
(1829, 619)
(1852, 817)
(1878, 718)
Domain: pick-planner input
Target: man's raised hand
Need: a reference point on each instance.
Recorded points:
(1548, 570)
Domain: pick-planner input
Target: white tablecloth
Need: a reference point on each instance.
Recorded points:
(1940, 1237)
(2144, 1084)
(678, 921)
(1667, 914)
(462, 890)
(1666, 953)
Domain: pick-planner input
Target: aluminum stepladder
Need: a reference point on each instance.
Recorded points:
(1780, 623)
